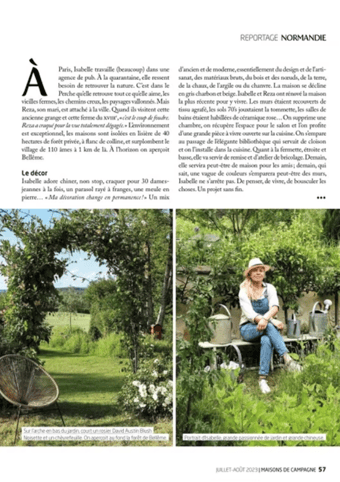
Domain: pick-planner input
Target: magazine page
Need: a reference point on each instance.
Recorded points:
(169, 246)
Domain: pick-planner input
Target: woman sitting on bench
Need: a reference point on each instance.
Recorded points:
(259, 304)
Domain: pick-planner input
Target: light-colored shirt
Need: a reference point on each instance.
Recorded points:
(248, 313)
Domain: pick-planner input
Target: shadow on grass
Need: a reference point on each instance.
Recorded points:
(86, 390)
(87, 395)
(72, 383)
(58, 354)
(83, 411)
(87, 412)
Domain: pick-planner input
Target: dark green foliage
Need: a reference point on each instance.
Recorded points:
(100, 295)
(306, 402)
(331, 224)
(94, 333)
(133, 244)
(192, 376)
(289, 241)
(151, 348)
(31, 268)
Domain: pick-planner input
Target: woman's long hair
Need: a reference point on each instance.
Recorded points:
(249, 288)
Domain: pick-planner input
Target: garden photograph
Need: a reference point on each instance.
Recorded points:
(257, 326)
(86, 324)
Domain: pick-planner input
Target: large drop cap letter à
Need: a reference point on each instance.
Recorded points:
(39, 84)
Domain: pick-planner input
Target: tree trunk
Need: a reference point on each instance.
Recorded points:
(336, 307)
(136, 358)
(166, 281)
(149, 285)
(286, 314)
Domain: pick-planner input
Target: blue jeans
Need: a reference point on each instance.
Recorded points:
(270, 338)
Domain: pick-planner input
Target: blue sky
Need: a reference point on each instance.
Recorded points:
(79, 265)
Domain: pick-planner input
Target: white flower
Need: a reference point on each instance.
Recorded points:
(156, 360)
(207, 369)
(167, 401)
(165, 372)
(136, 383)
(142, 391)
(154, 396)
(154, 374)
(232, 366)
(163, 390)
(142, 405)
(136, 400)
(170, 383)
(151, 388)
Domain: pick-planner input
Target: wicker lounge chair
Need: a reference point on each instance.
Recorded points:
(27, 385)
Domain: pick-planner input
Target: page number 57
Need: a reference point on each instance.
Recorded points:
(322, 469)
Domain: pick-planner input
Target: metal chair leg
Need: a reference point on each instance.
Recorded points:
(241, 373)
(272, 362)
(16, 431)
(60, 414)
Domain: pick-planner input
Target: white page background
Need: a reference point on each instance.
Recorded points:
(188, 33)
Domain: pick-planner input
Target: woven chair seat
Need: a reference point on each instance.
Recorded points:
(25, 383)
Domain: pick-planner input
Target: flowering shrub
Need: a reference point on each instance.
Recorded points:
(151, 348)
(148, 392)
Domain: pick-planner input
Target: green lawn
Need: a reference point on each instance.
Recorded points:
(89, 387)
(63, 319)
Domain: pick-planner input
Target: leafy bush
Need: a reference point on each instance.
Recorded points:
(110, 345)
(100, 295)
(305, 402)
(59, 336)
(321, 369)
(150, 347)
(78, 341)
(148, 392)
(94, 333)
(192, 378)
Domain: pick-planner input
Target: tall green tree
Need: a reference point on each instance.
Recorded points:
(331, 224)
(71, 302)
(131, 243)
(31, 267)
(290, 242)
(100, 296)
(331, 234)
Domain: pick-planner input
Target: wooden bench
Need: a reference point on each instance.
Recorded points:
(238, 344)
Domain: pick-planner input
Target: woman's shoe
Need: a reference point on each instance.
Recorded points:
(264, 386)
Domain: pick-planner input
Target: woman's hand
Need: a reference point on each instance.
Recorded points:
(262, 324)
(279, 325)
